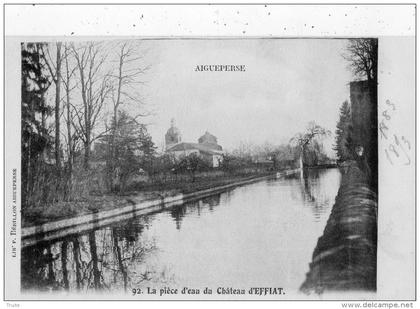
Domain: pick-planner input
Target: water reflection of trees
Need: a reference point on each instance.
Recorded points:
(312, 189)
(194, 208)
(106, 259)
(111, 258)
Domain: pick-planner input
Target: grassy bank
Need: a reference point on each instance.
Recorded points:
(139, 192)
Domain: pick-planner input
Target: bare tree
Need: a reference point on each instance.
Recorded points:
(363, 57)
(71, 136)
(126, 81)
(302, 140)
(127, 78)
(94, 88)
(55, 71)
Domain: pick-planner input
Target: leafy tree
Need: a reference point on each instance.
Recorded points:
(159, 167)
(130, 149)
(232, 163)
(343, 138)
(315, 154)
(284, 156)
(192, 164)
(35, 138)
(303, 140)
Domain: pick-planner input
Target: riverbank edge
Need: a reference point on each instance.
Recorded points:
(162, 203)
(345, 256)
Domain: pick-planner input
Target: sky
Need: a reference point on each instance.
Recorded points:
(287, 83)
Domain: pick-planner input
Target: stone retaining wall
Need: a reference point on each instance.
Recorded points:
(77, 224)
(345, 255)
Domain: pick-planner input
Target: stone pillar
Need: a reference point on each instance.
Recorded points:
(364, 120)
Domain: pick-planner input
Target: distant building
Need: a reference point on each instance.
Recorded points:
(207, 147)
(172, 136)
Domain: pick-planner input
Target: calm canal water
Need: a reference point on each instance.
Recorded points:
(261, 234)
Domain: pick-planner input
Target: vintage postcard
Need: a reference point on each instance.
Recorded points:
(243, 156)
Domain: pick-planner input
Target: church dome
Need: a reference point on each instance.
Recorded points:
(207, 138)
(173, 131)
(209, 141)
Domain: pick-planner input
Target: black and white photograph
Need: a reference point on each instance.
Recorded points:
(206, 167)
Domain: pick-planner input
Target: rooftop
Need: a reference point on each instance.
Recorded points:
(210, 149)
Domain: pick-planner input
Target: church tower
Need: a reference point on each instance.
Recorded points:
(172, 136)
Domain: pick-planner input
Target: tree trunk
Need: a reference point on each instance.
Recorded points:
(117, 102)
(57, 109)
(87, 144)
(69, 136)
(87, 155)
